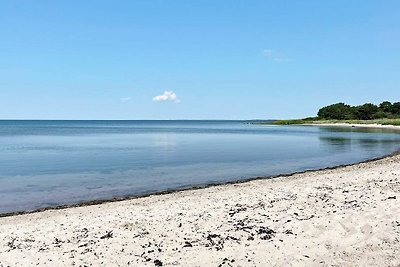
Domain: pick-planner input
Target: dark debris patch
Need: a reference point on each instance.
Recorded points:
(216, 241)
(158, 262)
(265, 233)
(288, 232)
(11, 244)
(238, 208)
(187, 244)
(109, 234)
(226, 262)
(351, 204)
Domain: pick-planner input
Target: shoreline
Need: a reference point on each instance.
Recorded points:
(190, 188)
(356, 125)
(348, 216)
(342, 216)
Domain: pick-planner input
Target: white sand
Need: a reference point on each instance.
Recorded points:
(344, 217)
(372, 125)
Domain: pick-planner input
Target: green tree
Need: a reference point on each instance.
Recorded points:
(396, 108)
(386, 107)
(366, 111)
(338, 111)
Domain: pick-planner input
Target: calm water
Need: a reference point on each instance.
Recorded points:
(45, 163)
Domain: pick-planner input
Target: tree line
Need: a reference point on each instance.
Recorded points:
(368, 111)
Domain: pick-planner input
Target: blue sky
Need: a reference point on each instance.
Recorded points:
(214, 59)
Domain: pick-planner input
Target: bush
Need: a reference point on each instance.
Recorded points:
(342, 111)
(381, 115)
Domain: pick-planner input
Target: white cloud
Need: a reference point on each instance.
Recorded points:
(125, 99)
(167, 96)
(274, 55)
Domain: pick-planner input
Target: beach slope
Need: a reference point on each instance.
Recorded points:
(349, 216)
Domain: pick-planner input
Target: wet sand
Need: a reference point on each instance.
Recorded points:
(348, 216)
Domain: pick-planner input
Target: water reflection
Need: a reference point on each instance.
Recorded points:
(344, 138)
(336, 144)
(164, 141)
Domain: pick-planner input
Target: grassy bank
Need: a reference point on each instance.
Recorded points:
(319, 121)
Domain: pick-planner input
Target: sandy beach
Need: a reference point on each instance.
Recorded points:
(349, 216)
(371, 126)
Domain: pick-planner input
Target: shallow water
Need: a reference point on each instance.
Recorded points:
(47, 163)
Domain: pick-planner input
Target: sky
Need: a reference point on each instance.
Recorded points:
(195, 59)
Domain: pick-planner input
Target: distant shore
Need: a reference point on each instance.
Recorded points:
(379, 123)
(342, 216)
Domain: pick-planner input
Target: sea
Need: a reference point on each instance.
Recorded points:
(47, 163)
